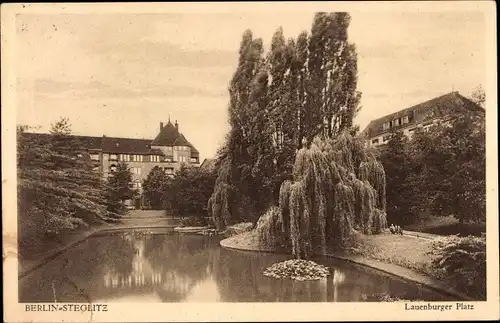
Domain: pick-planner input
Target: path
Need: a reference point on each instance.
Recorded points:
(146, 219)
(136, 219)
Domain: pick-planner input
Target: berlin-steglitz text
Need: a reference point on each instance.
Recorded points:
(66, 308)
(437, 307)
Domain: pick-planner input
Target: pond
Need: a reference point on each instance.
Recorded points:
(168, 267)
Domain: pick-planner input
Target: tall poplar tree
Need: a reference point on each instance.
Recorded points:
(235, 183)
(331, 92)
(305, 88)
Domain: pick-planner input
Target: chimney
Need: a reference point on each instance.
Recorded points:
(176, 125)
(161, 126)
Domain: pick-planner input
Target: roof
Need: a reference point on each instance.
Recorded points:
(444, 105)
(155, 151)
(168, 136)
(208, 163)
(126, 145)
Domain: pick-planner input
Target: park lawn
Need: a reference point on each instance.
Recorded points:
(406, 251)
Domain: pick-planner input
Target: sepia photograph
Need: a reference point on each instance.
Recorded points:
(331, 155)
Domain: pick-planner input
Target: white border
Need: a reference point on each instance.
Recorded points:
(14, 312)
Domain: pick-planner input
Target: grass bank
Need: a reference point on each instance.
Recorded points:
(447, 225)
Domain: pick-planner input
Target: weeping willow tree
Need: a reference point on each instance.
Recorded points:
(220, 204)
(338, 187)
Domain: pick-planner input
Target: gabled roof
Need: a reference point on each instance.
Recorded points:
(167, 135)
(208, 164)
(170, 136)
(444, 105)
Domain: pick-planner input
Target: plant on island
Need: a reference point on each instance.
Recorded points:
(297, 269)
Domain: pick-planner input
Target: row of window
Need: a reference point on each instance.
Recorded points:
(136, 170)
(386, 138)
(135, 158)
(396, 122)
(137, 185)
(168, 170)
(141, 158)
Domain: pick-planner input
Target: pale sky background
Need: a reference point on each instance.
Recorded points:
(121, 74)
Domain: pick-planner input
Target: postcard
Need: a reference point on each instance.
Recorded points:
(249, 161)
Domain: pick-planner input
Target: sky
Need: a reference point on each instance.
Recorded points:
(122, 74)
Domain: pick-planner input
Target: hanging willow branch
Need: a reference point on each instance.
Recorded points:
(220, 204)
(373, 172)
(337, 187)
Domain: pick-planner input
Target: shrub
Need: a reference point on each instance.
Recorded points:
(461, 261)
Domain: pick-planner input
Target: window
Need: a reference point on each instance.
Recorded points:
(396, 122)
(113, 157)
(124, 157)
(406, 119)
(168, 159)
(137, 185)
(375, 141)
(93, 156)
(155, 158)
(386, 125)
(137, 158)
(136, 170)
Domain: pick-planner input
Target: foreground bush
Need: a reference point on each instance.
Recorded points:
(461, 262)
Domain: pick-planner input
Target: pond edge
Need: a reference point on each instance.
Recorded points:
(385, 267)
(53, 254)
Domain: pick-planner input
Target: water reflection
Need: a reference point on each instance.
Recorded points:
(177, 268)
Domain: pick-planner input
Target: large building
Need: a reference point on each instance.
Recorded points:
(169, 150)
(423, 115)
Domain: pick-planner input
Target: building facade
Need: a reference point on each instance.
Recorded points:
(424, 115)
(169, 150)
